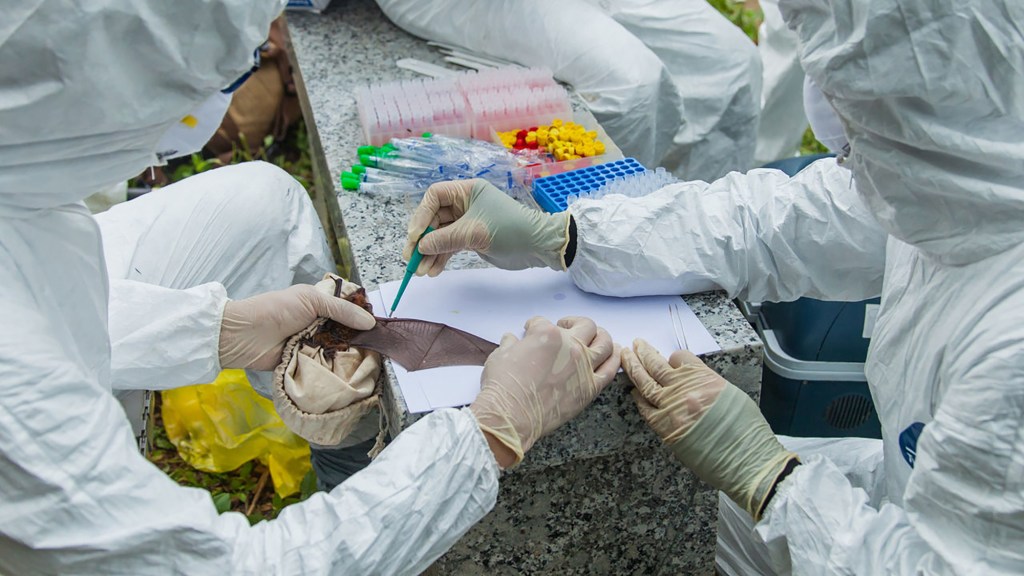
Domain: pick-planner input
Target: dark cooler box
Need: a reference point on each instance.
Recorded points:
(813, 382)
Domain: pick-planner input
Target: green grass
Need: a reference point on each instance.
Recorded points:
(238, 490)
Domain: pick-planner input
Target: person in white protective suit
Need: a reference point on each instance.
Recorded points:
(926, 211)
(244, 229)
(673, 83)
(76, 496)
(782, 122)
(249, 229)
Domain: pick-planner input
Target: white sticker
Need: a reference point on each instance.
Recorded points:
(870, 315)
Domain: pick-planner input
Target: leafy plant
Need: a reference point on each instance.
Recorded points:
(222, 501)
(738, 13)
(193, 165)
(810, 144)
(290, 154)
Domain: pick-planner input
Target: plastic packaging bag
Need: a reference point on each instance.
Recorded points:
(406, 167)
(217, 427)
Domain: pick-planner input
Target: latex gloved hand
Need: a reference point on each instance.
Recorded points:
(253, 331)
(531, 386)
(711, 426)
(475, 215)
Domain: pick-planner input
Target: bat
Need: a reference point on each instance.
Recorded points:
(412, 343)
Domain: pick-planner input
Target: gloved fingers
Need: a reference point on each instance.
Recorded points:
(581, 328)
(435, 209)
(606, 372)
(340, 310)
(439, 262)
(432, 265)
(684, 358)
(445, 216)
(536, 323)
(542, 333)
(507, 340)
(439, 241)
(464, 234)
(601, 348)
(645, 408)
(413, 238)
(646, 387)
(421, 218)
(654, 363)
(426, 263)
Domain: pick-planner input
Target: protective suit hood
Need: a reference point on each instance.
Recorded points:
(109, 116)
(942, 171)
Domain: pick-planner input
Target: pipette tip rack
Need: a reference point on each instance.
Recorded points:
(552, 192)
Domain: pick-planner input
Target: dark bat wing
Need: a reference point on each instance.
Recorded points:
(420, 344)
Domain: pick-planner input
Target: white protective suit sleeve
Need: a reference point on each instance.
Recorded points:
(818, 523)
(760, 236)
(176, 254)
(76, 497)
(173, 344)
(860, 459)
(963, 501)
(81, 499)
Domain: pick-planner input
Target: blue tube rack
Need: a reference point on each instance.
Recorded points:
(551, 192)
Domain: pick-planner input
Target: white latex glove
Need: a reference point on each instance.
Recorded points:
(253, 331)
(475, 215)
(711, 426)
(531, 386)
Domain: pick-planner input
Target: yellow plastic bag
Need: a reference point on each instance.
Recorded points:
(219, 426)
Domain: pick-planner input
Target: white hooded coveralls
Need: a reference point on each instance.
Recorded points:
(86, 91)
(931, 95)
(673, 82)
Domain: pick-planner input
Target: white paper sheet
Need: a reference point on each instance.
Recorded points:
(490, 302)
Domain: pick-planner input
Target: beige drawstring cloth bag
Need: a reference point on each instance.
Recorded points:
(322, 395)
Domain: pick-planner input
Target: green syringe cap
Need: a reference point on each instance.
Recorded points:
(358, 169)
(371, 150)
(350, 181)
(367, 160)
